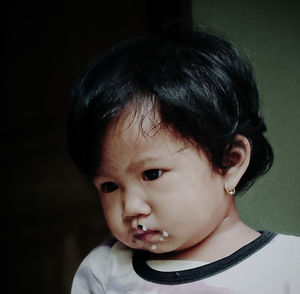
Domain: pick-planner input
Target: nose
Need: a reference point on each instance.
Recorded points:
(135, 204)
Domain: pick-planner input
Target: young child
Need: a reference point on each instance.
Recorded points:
(168, 130)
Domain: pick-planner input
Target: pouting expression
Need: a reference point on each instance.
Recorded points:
(161, 182)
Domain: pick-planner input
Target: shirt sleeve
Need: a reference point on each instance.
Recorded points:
(93, 273)
(86, 282)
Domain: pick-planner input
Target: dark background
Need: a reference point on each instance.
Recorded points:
(51, 217)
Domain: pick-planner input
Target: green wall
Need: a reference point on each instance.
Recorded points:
(269, 33)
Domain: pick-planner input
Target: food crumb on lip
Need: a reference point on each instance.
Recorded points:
(153, 247)
(165, 234)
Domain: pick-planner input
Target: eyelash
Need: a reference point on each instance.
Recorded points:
(152, 174)
(108, 187)
(148, 175)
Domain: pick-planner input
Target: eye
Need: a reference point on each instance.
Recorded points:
(152, 174)
(108, 187)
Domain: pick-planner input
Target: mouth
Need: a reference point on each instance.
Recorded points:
(151, 236)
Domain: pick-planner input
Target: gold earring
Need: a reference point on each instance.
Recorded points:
(229, 192)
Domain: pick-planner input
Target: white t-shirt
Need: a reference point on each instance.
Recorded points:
(268, 265)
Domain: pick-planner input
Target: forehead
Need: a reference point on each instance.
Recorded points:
(137, 125)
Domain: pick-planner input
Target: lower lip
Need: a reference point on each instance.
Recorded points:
(152, 236)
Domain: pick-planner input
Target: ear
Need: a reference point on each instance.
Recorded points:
(236, 161)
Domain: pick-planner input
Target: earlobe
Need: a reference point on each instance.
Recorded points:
(237, 161)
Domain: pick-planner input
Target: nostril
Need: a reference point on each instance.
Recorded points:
(142, 227)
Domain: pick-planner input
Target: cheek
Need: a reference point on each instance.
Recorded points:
(112, 213)
(114, 224)
(192, 202)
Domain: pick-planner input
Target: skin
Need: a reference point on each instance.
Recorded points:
(166, 184)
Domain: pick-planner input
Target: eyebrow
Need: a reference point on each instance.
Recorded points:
(154, 158)
(146, 160)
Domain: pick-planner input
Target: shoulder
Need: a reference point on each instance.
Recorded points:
(287, 242)
(288, 238)
(282, 250)
(95, 270)
(289, 245)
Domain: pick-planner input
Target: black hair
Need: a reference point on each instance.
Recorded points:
(204, 88)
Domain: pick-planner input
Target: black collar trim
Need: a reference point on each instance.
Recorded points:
(139, 262)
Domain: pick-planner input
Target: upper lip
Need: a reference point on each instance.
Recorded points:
(139, 232)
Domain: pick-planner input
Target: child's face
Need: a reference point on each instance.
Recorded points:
(163, 183)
